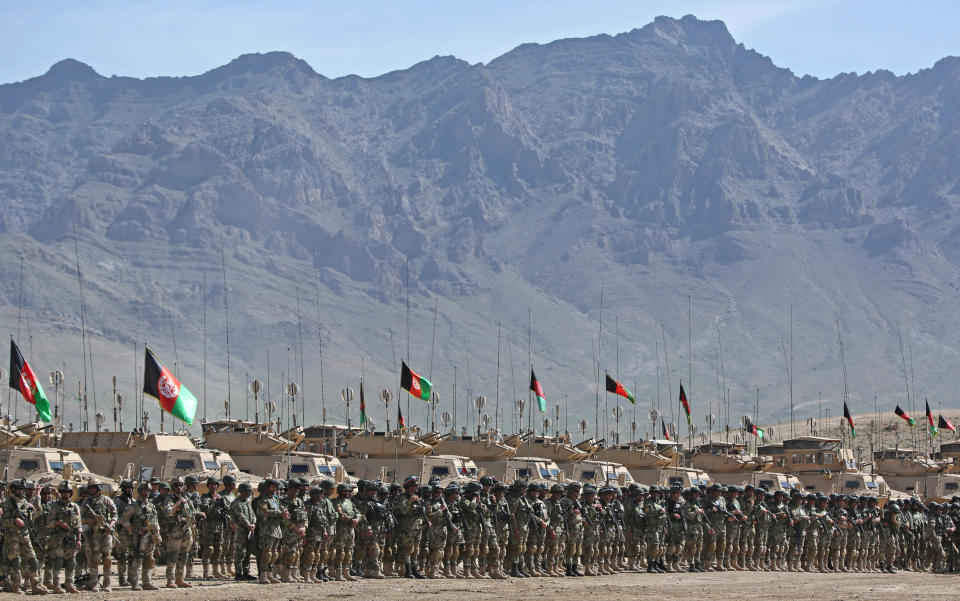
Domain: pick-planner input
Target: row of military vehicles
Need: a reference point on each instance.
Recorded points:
(253, 451)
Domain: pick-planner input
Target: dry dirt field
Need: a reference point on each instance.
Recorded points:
(713, 587)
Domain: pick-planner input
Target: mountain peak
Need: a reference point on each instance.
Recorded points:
(69, 70)
(256, 62)
(691, 31)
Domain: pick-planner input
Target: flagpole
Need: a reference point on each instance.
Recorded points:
(409, 416)
(530, 369)
(496, 410)
(303, 400)
(596, 413)
(323, 401)
(689, 364)
(203, 299)
(666, 359)
(226, 317)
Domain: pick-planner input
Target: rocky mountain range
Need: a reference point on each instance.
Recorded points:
(701, 191)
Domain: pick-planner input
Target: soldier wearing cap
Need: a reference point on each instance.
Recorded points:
(556, 533)
(140, 524)
(374, 527)
(437, 518)
(243, 519)
(408, 509)
(270, 516)
(608, 529)
(99, 516)
(573, 526)
(347, 520)
(294, 531)
(695, 520)
(228, 491)
(591, 529)
(318, 525)
(499, 516)
(519, 528)
(122, 547)
(212, 528)
(451, 551)
(65, 536)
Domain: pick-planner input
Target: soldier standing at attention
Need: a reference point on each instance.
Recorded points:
(243, 519)
(140, 524)
(347, 520)
(270, 516)
(100, 515)
(229, 494)
(294, 530)
(212, 528)
(179, 513)
(65, 537)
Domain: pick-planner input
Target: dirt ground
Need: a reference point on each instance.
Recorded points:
(713, 586)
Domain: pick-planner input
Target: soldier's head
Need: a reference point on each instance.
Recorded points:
(556, 491)
(45, 493)
(327, 487)
(573, 490)
(452, 492)
(126, 487)
(436, 491)
(65, 490)
(229, 483)
(176, 485)
(293, 487)
(607, 493)
(486, 482)
(16, 488)
(191, 483)
(94, 488)
(245, 490)
(589, 493)
(213, 483)
(411, 485)
(29, 489)
(143, 490)
(272, 486)
(345, 490)
(533, 491)
(676, 492)
(316, 493)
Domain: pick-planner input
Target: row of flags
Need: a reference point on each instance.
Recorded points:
(177, 400)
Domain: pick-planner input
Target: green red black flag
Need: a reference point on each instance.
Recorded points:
(846, 414)
(903, 415)
(619, 389)
(758, 432)
(685, 403)
(538, 392)
(418, 386)
(23, 379)
(946, 424)
(933, 426)
(401, 423)
(663, 428)
(162, 385)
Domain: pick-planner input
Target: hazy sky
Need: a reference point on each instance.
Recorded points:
(138, 38)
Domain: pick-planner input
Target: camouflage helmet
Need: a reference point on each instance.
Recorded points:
(176, 481)
(229, 479)
(327, 484)
(163, 485)
(556, 488)
(213, 480)
(345, 487)
(383, 490)
(125, 484)
(293, 483)
(316, 490)
(487, 480)
(94, 483)
(143, 485)
(452, 488)
(472, 487)
(64, 487)
(411, 481)
(191, 479)
(244, 487)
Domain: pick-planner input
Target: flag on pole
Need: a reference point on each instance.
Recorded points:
(946, 424)
(619, 389)
(903, 415)
(758, 432)
(363, 406)
(663, 427)
(933, 426)
(23, 379)
(418, 386)
(685, 403)
(162, 385)
(538, 392)
(401, 423)
(846, 414)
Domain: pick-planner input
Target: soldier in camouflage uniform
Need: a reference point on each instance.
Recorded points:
(574, 527)
(498, 512)
(437, 517)
(556, 532)
(409, 513)
(99, 516)
(889, 526)
(715, 539)
(536, 530)
(270, 516)
(178, 510)
(347, 520)
(17, 545)
(41, 506)
(519, 528)
(243, 521)
(828, 529)
(122, 547)
(294, 531)
(140, 524)
(471, 511)
(451, 551)
(318, 525)
(65, 536)
(695, 519)
(655, 518)
(229, 494)
(212, 529)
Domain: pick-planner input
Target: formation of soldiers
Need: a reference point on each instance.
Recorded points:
(297, 532)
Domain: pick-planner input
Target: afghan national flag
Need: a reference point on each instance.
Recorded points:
(846, 414)
(758, 432)
(538, 392)
(363, 406)
(663, 427)
(685, 403)
(401, 423)
(903, 415)
(23, 379)
(162, 385)
(619, 389)
(415, 384)
(933, 426)
(946, 425)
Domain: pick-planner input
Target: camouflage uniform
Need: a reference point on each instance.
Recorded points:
(99, 516)
(65, 534)
(409, 513)
(242, 517)
(122, 547)
(294, 530)
(318, 531)
(140, 523)
(213, 530)
(347, 520)
(17, 546)
(178, 510)
(269, 532)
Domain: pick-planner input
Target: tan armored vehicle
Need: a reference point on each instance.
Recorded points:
(555, 448)
(484, 448)
(45, 465)
(527, 469)
(162, 456)
(652, 462)
(823, 466)
(728, 464)
(392, 456)
(597, 472)
(21, 436)
(916, 474)
(257, 449)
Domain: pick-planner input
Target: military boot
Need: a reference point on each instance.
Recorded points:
(135, 576)
(669, 567)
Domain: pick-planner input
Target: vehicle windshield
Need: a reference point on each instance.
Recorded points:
(211, 465)
(76, 466)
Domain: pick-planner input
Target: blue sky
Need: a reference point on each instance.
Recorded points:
(141, 39)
